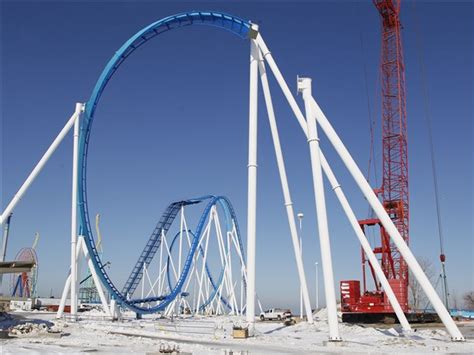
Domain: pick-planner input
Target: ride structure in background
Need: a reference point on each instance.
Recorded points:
(24, 284)
(82, 237)
(184, 282)
(374, 305)
(185, 259)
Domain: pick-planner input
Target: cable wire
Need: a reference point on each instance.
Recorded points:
(429, 126)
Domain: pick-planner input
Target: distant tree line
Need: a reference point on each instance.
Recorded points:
(419, 301)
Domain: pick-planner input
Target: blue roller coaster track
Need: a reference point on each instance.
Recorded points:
(233, 24)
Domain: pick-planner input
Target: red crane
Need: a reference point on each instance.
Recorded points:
(394, 190)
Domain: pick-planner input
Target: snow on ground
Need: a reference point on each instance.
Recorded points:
(213, 335)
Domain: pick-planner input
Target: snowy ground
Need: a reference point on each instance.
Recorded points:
(214, 336)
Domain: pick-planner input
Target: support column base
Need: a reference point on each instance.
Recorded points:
(251, 329)
(333, 342)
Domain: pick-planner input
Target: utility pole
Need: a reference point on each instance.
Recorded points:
(300, 218)
(317, 286)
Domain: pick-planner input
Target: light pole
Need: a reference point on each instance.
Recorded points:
(317, 286)
(300, 218)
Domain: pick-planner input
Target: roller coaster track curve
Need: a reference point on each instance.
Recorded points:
(233, 24)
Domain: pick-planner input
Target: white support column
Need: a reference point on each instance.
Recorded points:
(364, 242)
(143, 282)
(3, 253)
(204, 259)
(67, 288)
(6, 232)
(75, 160)
(115, 310)
(44, 159)
(62, 302)
(286, 189)
(235, 306)
(288, 95)
(98, 285)
(159, 290)
(387, 223)
(252, 186)
(176, 275)
(181, 226)
(267, 55)
(301, 288)
(304, 86)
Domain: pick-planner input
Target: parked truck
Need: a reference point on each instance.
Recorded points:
(275, 314)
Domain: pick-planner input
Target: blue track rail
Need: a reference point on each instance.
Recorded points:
(233, 24)
(153, 245)
(215, 286)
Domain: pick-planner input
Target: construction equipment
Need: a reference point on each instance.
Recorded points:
(394, 190)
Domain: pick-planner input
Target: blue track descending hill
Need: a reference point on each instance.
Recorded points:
(153, 245)
(144, 306)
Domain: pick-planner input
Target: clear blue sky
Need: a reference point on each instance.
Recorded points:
(173, 124)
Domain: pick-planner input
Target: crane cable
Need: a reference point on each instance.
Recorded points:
(428, 120)
(369, 232)
(369, 111)
(371, 115)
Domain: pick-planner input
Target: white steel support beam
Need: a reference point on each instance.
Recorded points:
(82, 249)
(75, 169)
(387, 223)
(304, 86)
(143, 281)
(6, 232)
(292, 102)
(3, 253)
(161, 272)
(267, 55)
(204, 259)
(67, 289)
(62, 302)
(44, 159)
(252, 186)
(285, 188)
(95, 277)
(364, 242)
